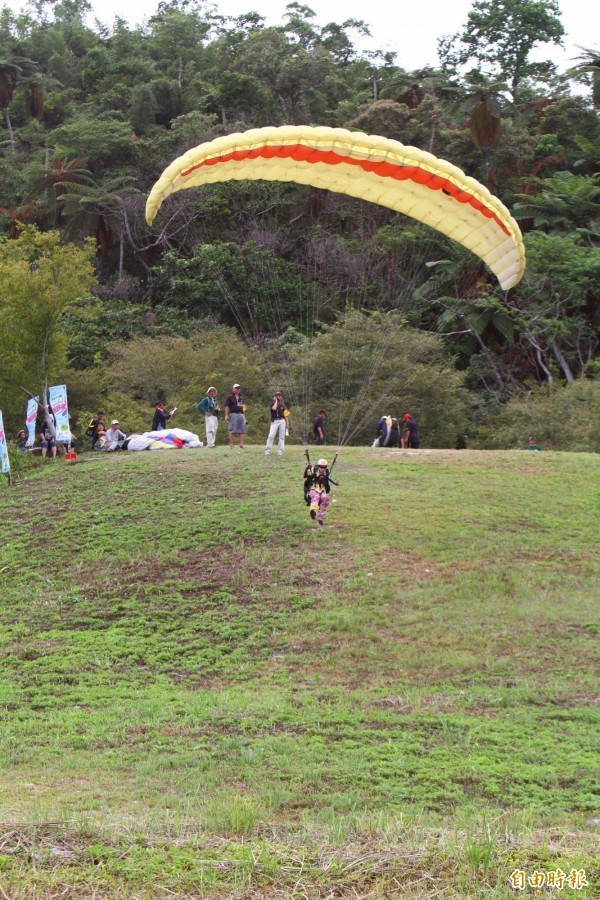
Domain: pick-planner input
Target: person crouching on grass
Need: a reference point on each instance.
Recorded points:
(317, 484)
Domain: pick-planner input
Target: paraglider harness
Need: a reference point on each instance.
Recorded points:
(314, 478)
(388, 432)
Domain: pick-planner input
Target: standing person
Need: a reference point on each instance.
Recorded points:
(319, 427)
(47, 441)
(209, 408)
(159, 422)
(317, 484)
(411, 433)
(279, 424)
(235, 410)
(114, 437)
(96, 428)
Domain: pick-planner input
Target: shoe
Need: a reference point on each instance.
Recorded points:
(267, 452)
(279, 453)
(231, 446)
(313, 510)
(321, 522)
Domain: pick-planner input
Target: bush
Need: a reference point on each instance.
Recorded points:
(21, 463)
(564, 418)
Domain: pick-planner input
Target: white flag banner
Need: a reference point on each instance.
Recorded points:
(57, 396)
(3, 450)
(32, 411)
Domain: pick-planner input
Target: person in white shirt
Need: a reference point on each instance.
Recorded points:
(114, 436)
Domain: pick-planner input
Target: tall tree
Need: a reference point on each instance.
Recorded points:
(40, 282)
(588, 64)
(498, 40)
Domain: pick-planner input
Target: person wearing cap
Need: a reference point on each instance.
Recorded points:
(317, 484)
(209, 408)
(532, 444)
(411, 433)
(114, 437)
(22, 440)
(235, 410)
(279, 424)
(159, 422)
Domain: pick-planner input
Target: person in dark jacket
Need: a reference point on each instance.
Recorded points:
(319, 427)
(159, 422)
(411, 433)
(235, 416)
(279, 424)
(97, 428)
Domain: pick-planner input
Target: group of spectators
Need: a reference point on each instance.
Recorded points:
(237, 424)
(108, 438)
(103, 438)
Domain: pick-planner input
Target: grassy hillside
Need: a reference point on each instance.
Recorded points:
(202, 693)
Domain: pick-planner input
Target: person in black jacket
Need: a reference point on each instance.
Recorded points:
(279, 424)
(235, 416)
(159, 422)
(411, 433)
(97, 428)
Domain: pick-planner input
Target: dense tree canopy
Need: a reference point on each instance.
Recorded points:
(92, 115)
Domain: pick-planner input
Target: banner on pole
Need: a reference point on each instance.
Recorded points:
(57, 396)
(4, 461)
(32, 411)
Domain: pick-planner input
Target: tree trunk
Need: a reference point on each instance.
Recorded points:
(9, 128)
(488, 356)
(121, 250)
(48, 418)
(433, 132)
(563, 364)
(374, 83)
(541, 363)
(44, 391)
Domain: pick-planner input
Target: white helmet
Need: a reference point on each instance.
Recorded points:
(322, 463)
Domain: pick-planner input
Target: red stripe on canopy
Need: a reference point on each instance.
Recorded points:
(385, 169)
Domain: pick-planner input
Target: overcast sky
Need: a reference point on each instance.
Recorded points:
(411, 28)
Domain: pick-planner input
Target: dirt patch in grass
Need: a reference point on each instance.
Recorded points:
(192, 577)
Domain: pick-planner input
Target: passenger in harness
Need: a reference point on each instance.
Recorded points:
(317, 484)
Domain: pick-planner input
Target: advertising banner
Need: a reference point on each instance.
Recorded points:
(5, 464)
(57, 396)
(32, 411)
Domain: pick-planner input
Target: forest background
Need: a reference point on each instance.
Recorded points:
(280, 285)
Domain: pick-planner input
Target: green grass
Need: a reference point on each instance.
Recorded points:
(204, 694)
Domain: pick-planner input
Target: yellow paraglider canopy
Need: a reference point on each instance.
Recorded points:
(372, 168)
